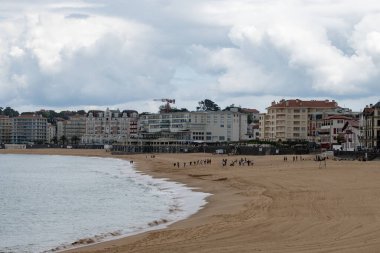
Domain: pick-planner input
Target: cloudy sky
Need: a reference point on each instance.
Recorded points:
(76, 54)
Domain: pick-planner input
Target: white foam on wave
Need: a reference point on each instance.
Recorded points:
(167, 201)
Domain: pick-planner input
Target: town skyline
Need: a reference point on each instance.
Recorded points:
(153, 106)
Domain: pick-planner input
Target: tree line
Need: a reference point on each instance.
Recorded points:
(51, 115)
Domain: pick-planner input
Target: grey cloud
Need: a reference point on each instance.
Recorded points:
(188, 50)
(77, 16)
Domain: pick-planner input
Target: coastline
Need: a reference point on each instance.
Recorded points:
(273, 206)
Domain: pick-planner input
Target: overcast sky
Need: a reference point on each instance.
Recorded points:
(58, 54)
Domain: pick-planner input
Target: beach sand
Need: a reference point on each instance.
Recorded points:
(273, 206)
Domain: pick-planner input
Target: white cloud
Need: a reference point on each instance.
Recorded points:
(115, 52)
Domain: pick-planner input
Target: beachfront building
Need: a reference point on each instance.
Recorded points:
(71, 130)
(5, 129)
(253, 132)
(337, 132)
(289, 119)
(370, 138)
(51, 132)
(198, 127)
(252, 114)
(29, 129)
(351, 131)
(317, 119)
(110, 126)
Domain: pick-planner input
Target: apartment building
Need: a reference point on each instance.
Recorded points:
(51, 132)
(331, 134)
(73, 129)
(371, 126)
(110, 126)
(317, 119)
(29, 129)
(5, 129)
(200, 126)
(289, 119)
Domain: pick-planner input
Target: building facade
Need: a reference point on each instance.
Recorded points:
(5, 129)
(51, 133)
(337, 130)
(289, 119)
(72, 129)
(29, 129)
(371, 127)
(107, 127)
(200, 126)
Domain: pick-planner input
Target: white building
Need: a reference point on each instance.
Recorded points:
(107, 127)
(200, 126)
(51, 132)
(332, 135)
(351, 132)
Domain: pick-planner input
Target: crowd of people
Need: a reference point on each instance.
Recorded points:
(193, 163)
(240, 162)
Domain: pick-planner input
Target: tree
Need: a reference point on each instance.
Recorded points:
(163, 108)
(249, 118)
(63, 139)
(207, 105)
(8, 111)
(82, 112)
(54, 140)
(75, 139)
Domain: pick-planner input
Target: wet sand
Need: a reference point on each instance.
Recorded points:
(273, 206)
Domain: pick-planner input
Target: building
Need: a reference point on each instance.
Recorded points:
(200, 126)
(317, 119)
(371, 126)
(107, 127)
(5, 130)
(334, 130)
(253, 115)
(72, 129)
(351, 131)
(289, 119)
(51, 133)
(253, 132)
(29, 129)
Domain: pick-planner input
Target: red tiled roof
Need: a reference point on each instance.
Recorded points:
(339, 117)
(249, 110)
(353, 123)
(368, 111)
(305, 104)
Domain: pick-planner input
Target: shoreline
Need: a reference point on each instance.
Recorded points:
(273, 206)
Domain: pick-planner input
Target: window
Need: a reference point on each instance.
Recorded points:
(221, 138)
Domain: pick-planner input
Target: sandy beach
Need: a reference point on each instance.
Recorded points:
(272, 206)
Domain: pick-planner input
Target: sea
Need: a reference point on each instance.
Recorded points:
(50, 202)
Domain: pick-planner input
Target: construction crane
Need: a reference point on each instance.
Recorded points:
(168, 101)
